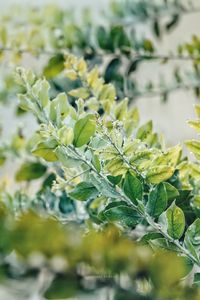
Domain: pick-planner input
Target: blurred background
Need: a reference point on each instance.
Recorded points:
(169, 116)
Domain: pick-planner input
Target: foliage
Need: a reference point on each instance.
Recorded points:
(122, 174)
(113, 43)
(115, 210)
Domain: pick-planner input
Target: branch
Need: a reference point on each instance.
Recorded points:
(133, 54)
(144, 215)
(103, 181)
(160, 92)
(153, 12)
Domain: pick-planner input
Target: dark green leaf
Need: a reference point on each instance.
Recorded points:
(172, 192)
(84, 191)
(112, 69)
(157, 201)
(124, 215)
(30, 171)
(55, 66)
(133, 187)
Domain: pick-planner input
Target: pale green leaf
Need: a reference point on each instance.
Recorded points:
(194, 147)
(144, 131)
(80, 93)
(66, 135)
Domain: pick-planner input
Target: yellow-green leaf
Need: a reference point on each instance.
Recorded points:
(80, 93)
(194, 147)
(155, 175)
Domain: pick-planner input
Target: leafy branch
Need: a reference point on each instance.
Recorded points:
(132, 54)
(144, 174)
(117, 47)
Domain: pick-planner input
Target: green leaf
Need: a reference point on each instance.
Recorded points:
(102, 38)
(55, 66)
(192, 238)
(96, 163)
(134, 65)
(112, 69)
(195, 125)
(66, 158)
(172, 192)
(132, 120)
(48, 181)
(2, 159)
(133, 187)
(108, 92)
(157, 174)
(116, 167)
(196, 280)
(170, 158)
(84, 191)
(156, 28)
(175, 221)
(43, 93)
(124, 215)
(103, 186)
(30, 171)
(173, 22)
(62, 287)
(84, 129)
(80, 93)
(194, 147)
(162, 243)
(66, 135)
(157, 201)
(114, 179)
(43, 151)
(148, 237)
(121, 110)
(144, 131)
(119, 38)
(59, 108)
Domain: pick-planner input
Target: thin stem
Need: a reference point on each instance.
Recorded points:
(31, 51)
(158, 93)
(133, 19)
(133, 54)
(77, 175)
(160, 56)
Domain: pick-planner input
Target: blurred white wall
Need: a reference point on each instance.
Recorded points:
(171, 117)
